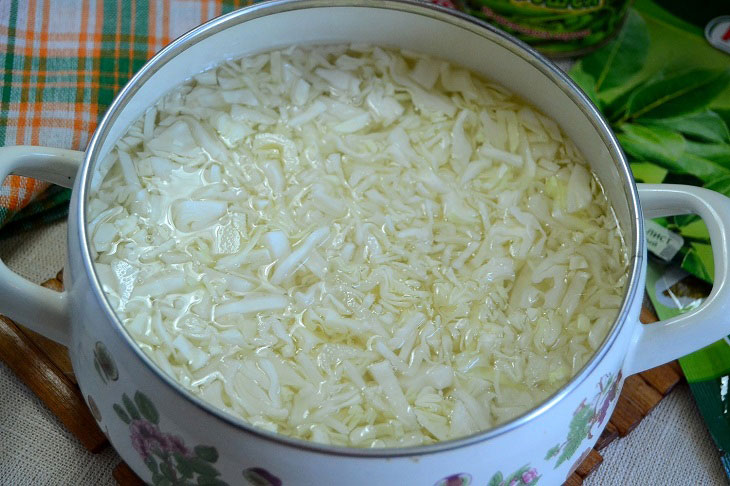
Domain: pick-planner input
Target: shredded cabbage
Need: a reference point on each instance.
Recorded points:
(356, 246)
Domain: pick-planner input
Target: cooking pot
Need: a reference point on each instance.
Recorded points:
(169, 436)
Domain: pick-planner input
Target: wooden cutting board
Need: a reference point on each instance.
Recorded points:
(45, 368)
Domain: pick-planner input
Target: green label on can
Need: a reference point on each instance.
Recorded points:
(561, 5)
(555, 27)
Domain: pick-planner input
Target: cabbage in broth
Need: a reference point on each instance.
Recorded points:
(356, 246)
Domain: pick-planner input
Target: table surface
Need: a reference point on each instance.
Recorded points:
(670, 447)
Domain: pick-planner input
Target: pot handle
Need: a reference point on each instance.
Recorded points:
(41, 309)
(663, 341)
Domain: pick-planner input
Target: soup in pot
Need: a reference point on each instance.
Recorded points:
(356, 246)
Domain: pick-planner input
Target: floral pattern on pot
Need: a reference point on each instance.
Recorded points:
(585, 417)
(461, 479)
(104, 364)
(257, 476)
(171, 462)
(524, 476)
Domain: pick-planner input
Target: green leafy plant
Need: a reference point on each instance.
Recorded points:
(665, 124)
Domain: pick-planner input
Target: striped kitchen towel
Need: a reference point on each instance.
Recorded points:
(61, 63)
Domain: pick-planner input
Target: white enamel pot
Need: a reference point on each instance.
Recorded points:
(168, 436)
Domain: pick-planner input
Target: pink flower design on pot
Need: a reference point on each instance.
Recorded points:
(529, 475)
(169, 460)
(524, 476)
(146, 438)
(175, 445)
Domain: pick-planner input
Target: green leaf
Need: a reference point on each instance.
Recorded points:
(131, 409)
(183, 467)
(580, 425)
(723, 113)
(552, 452)
(658, 145)
(167, 471)
(163, 455)
(146, 407)
(203, 467)
(615, 110)
(684, 219)
(151, 465)
(661, 221)
(707, 126)
(695, 230)
(704, 253)
(705, 169)
(716, 152)
(648, 172)
(668, 149)
(209, 481)
(622, 58)
(676, 94)
(206, 453)
(693, 263)
(721, 185)
(496, 480)
(122, 414)
(586, 82)
(159, 479)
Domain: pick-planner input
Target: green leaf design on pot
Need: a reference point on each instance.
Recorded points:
(130, 407)
(585, 417)
(206, 453)
(496, 480)
(104, 364)
(168, 458)
(146, 408)
(524, 476)
(257, 476)
(121, 414)
(461, 479)
(552, 452)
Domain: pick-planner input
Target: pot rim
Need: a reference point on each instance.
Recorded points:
(635, 241)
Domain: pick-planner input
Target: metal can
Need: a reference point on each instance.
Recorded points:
(557, 28)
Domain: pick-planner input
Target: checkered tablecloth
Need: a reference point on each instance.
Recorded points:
(61, 64)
